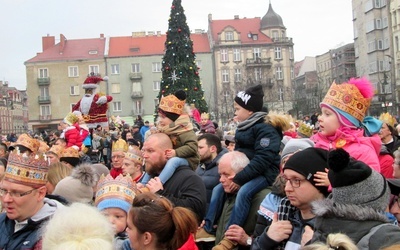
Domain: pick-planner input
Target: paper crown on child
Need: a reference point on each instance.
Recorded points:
(351, 99)
(172, 105)
(70, 119)
(27, 169)
(205, 115)
(92, 81)
(115, 193)
(120, 146)
(70, 152)
(26, 141)
(43, 147)
(134, 154)
(305, 130)
(388, 119)
(55, 149)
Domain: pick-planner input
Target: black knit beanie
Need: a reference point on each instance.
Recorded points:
(251, 99)
(307, 163)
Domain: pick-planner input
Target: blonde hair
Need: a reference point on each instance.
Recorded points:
(279, 121)
(57, 172)
(93, 231)
(205, 115)
(336, 241)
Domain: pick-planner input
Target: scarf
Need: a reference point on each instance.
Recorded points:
(180, 126)
(249, 122)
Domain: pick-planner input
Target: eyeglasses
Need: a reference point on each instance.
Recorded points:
(294, 182)
(14, 194)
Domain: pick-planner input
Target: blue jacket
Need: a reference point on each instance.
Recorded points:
(209, 173)
(261, 144)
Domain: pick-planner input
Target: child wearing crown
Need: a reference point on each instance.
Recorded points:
(343, 123)
(177, 125)
(114, 198)
(206, 125)
(71, 131)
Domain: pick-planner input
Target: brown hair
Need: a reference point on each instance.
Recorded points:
(57, 172)
(174, 224)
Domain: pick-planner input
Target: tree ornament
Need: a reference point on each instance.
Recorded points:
(186, 89)
(179, 30)
(174, 77)
(195, 88)
(173, 7)
(190, 67)
(169, 42)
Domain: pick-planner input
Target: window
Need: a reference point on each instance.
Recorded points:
(74, 90)
(384, 22)
(135, 67)
(256, 53)
(198, 64)
(229, 36)
(279, 73)
(224, 55)
(117, 106)
(291, 73)
(94, 68)
(257, 74)
(43, 73)
(378, 24)
(372, 67)
(225, 75)
(280, 96)
(73, 71)
(238, 75)
(291, 53)
(115, 88)
(115, 69)
(369, 26)
(236, 55)
(45, 110)
(380, 44)
(255, 37)
(278, 53)
(156, 67)
(156, 85)
(156, 102)
(396, 43)
(136, 87)
(71, 106)
(44, 91)
(275, 34)
(380, 3)
(371, 46)
(368, 5)
(137, 107)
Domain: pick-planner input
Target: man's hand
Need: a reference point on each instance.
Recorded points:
(155, 185)
(280, 229)
(237, 233)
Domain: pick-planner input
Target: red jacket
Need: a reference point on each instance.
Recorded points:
(71, 135)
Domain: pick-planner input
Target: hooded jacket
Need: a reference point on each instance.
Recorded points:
(30, 234)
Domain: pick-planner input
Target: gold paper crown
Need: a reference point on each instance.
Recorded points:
(347, 97)
(172, 104)
(43, 147)
(71, 118)
(120, 145)
(70, 152)
(122, 188)
(135, 155)
(305, 129)
(28, 142)
(27, 169)
(388, 119)
(56, 149)
(205, 115)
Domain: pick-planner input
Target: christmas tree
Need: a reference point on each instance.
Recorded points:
(179, 69)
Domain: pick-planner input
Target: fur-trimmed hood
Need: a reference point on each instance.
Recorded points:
(327, 208)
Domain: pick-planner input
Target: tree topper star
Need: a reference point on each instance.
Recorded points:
(174, 77)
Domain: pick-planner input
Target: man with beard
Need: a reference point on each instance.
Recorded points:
(185, 188)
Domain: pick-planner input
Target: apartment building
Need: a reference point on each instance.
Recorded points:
(132, 64)
(250, 51)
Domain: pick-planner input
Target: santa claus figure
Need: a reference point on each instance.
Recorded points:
(92, 105)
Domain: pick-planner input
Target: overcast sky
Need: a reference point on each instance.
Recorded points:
(315, 25)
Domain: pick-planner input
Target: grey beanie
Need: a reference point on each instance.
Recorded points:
(78, 187)
(355, 183)
(294, 145)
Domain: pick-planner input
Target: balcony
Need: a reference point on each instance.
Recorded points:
(135, 76)
(44, 118)
(43, 81)
(137, 111)
(44, 99)
(282, 40)
(136, 94)
(259, 62)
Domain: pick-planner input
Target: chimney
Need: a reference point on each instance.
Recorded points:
(236, 16)
(150, 33)
(48, 42)
(158, 33)
(102, 36)
(63, 40)
(209, 17)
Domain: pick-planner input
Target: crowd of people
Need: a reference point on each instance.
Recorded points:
(330, 181)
